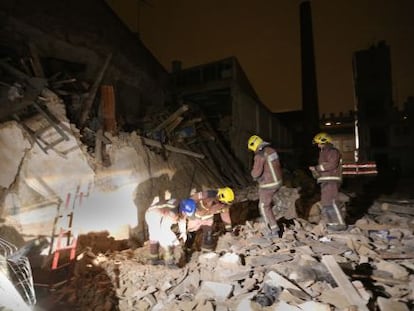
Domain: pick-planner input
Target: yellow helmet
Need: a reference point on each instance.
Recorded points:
(254, 142)
(322, 138)
(225, 195)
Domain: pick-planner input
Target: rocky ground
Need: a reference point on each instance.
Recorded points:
(367, 267)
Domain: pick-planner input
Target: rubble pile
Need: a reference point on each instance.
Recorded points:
(284, 200)
(367, 267)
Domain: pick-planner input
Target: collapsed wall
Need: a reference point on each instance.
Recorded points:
(37, 185)
(71, 40)
(63, 167)
(48, 66)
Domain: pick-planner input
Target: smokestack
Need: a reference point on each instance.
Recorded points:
(309, 85)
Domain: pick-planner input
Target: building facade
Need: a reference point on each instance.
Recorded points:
(381, 130)
(231, 105)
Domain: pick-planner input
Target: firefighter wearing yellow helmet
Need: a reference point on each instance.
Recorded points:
(328, 173)
(267, 172)
(322, 138)
(209, 203)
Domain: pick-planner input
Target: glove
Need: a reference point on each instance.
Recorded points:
(314, 172)
(232, 231)
(183, 236)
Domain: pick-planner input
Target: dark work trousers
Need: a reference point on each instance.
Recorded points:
(329, 193)
(265, 206)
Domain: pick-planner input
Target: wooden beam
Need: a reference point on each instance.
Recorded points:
(35, 60)
(205, 166)
(157, 144)
(228, 157)
(398, 208)
(393, 255)
(98, 146)
(87, 105)
(342, 281)
(171, 118)
(108, 108)
(170, 127)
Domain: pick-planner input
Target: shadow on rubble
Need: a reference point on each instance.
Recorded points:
(364, 273)
(364, 190)
(80, 284)
(243, 211)
(178, 186)
(90, 288)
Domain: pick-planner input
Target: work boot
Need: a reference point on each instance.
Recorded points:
(188, 246)
(207, 244)
(273, 231)
(333, 218)
(169, 257)
(154, 257)
(190, 240)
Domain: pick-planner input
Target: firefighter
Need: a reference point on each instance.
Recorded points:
(209, 203)
(160, 217)
(328, 173)
(267, 172)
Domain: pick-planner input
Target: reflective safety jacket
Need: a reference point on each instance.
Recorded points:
(166, 208)
(266, 168)
(208, 205)
(329, 166)
(168, 212)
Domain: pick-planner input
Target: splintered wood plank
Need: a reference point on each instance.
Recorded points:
(87, 104)
(342, 281)
(398, 208)
(108, 108)
(396, 255)
(157, 144)
(36, 64)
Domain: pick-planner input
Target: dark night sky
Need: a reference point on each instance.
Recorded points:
(264, 36)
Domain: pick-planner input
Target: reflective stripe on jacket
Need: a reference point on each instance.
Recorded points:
(167, 208)
(266, 168)
(208, 205)
(329, 167)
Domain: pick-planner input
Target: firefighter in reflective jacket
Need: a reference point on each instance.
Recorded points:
(328, 173)
(209, 203)
(268, 173)
(160, 216)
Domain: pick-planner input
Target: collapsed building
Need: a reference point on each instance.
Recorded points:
(91, 105)
(93, 129)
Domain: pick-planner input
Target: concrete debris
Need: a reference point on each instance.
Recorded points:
(301, 270)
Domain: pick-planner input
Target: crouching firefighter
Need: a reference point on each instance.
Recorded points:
(209, 203)
(328, 173)
(160, 217)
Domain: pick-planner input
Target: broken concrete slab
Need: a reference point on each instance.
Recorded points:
(214, 290)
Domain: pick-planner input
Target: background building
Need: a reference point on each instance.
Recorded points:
(385, 133)
(222, 91)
